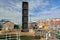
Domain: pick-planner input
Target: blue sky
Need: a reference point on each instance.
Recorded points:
(38, 9)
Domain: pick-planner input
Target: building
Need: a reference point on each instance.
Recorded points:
(34, 25)
(41, 23)
(8, 25)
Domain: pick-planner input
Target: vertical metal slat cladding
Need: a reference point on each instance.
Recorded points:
(24, 16)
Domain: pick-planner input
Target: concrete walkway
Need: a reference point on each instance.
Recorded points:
(49, 39)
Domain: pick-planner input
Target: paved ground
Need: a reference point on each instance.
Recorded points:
(49, 39)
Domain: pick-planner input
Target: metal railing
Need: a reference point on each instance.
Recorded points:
(8, 35)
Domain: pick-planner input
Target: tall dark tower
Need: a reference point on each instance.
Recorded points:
(25, 17)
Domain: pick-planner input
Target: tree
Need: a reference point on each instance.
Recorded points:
(16, 26)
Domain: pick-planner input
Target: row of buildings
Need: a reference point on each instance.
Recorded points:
(52, 23)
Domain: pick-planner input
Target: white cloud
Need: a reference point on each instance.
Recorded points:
(12, 15)
(53, 12)
(35, 3)
(11, 10)
(17, 5)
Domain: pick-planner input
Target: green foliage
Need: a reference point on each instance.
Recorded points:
(29, 37)
(26, 37)
(16, 26)
(37, 37)
(57, 33)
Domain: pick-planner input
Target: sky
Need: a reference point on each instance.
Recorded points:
(38, 9)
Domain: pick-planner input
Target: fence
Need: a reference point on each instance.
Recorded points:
(10, 37)
(16, 35)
